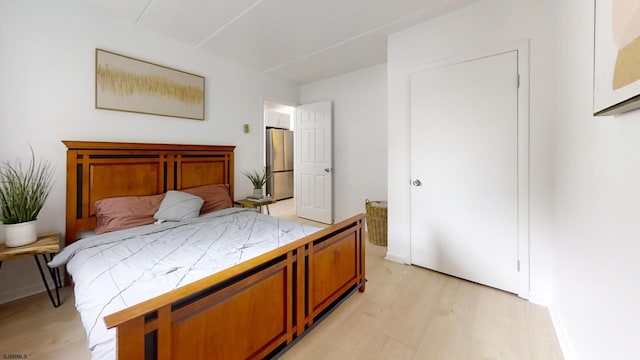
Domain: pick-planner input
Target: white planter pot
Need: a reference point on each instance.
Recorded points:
(20, 234)
(257, 193)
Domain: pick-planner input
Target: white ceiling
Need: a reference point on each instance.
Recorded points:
(300, 40)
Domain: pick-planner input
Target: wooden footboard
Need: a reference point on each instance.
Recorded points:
(252, 310)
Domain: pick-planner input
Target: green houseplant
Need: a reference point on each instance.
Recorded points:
(23, 191)
(257, 180)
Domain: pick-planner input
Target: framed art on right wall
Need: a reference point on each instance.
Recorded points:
(616, 85)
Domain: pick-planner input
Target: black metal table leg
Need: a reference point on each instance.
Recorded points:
(55, 276)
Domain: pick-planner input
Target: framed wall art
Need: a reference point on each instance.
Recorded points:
(127, 84)
(616, 87)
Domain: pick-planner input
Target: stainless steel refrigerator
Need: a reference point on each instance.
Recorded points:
(280, 163)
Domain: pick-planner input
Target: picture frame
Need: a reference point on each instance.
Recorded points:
(127, 84)
(616, 86)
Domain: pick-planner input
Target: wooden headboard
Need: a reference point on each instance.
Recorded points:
(99, 170)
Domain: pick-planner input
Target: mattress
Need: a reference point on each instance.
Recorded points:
(116, 270)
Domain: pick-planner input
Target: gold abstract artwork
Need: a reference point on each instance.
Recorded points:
(123, 83)
(127, 84)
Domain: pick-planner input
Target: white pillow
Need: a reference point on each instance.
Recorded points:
(178, 206)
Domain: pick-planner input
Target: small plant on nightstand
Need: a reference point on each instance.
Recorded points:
(23, 191)
(257, 180)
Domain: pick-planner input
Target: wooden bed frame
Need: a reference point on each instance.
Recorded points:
(250, 311)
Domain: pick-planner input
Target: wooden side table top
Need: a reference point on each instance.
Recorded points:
(254, 203)
(46, 244)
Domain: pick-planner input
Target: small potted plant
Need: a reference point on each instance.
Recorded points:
(23, 191)
(258, 180)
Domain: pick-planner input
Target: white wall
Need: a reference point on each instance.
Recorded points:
(360, 138)
(597, 205)
(479, 26)
(47, 95)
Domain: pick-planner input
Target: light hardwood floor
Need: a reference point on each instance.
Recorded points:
(406, 312)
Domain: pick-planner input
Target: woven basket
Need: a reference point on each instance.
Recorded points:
(377, 222)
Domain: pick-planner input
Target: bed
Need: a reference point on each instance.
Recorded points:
(256, 307)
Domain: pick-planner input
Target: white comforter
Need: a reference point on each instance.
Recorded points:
(116, 270)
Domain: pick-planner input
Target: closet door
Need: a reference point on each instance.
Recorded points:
(464, 165)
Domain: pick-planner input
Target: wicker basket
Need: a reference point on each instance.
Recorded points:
(377, 222)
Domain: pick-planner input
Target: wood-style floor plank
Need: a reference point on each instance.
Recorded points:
(409, 312)
(33, 327)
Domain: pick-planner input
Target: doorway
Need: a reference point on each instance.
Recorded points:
(279, 149)
(299, 157)
(469, 169)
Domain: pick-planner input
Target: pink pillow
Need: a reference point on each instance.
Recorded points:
(127, 211)
(216, 197)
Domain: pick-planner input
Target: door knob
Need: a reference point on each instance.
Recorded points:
(327, 169)
(416, 182)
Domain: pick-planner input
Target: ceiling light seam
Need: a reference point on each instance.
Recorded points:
(144, 12)
(228, 24)
(350, 39)
(327, 21)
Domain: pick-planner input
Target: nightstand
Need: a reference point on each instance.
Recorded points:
(250, 203)
(46, 246)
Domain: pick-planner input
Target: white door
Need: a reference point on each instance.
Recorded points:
(464, 168)
(314, 162)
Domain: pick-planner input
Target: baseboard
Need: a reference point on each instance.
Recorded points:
(395, 258)
(539, 300)
(19, 293)
(561, 333)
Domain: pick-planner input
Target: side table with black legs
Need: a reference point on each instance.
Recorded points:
(252, 203)
(46, 246)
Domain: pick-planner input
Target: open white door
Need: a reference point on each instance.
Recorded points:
(314, 162)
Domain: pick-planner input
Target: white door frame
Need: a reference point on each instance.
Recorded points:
(522, 48)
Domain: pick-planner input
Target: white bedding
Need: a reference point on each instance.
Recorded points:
(115, 270)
